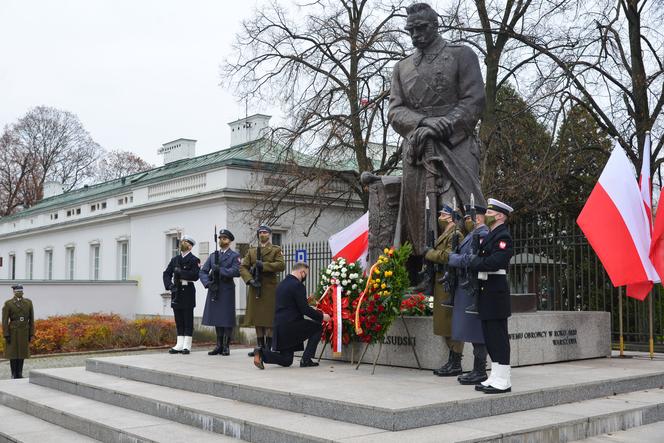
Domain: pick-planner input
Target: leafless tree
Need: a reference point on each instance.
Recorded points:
(118, 163)
(327, 63)
(44, 144)
(608, 59)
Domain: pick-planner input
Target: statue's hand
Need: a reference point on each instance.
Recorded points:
(417, 139)
(444, 127)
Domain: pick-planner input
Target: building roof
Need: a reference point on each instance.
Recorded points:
(248, 154)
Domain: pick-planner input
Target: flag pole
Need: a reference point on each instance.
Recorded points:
(620, 322)
(650, 341)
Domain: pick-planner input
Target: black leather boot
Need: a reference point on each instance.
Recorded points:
(12, 366)
(454, 367)
(268, 343)
(477, 375)
(260, 343)
(217, 349)
(225, 340)
(19, 368)
(445, 367)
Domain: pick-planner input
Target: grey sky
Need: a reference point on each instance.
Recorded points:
(138, 73)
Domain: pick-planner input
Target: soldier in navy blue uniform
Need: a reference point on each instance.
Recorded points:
(494, 305)
(291, 328)
(179, 277)
(467, 326)
(217, 276)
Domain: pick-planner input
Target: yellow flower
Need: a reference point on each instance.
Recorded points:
(388, 273)
(377, 280)
(386, 292)
(375, 285)
(386, 250)
(383, 286)
(377, 271)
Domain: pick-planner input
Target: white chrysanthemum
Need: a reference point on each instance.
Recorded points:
(345, 282)
(354, 286)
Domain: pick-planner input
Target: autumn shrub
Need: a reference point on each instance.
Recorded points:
(90, 332)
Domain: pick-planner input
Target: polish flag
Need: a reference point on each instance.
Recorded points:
(353, 242)
(645, 184)
(615, 222)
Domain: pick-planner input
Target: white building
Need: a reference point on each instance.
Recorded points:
(104, 247)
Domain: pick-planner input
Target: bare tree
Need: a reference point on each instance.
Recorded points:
(60, 145)
(16, 171)
(609, 62)
(117, 164)
(44, 144)
(328, 63)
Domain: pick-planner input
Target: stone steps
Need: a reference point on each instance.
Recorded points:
(248, 422)
(384, 401)
(16, 426)
(652, 433)
(95, 419)
(568, 422)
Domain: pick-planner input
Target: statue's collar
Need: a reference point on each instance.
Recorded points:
(430, 52)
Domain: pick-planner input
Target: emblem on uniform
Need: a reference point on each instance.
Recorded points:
(502, 245)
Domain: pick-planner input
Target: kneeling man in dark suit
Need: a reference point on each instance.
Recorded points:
(290, 327)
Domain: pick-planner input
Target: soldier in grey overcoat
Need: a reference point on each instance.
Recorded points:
(436, 99)
(18, 327)
(217, 275)
(466, 326)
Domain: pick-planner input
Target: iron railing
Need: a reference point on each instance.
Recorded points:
(554, 261)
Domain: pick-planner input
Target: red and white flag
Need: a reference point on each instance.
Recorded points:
(353, 242)
(615, 222)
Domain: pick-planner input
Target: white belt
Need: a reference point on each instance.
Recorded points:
(187, 281)
(485, 275)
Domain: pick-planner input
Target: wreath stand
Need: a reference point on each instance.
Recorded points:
(380, 348)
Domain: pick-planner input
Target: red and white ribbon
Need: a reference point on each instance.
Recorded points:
(337, 323)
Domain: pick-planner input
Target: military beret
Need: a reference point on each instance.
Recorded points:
(17, 288)
(478, 209)
(227, 233)
(497, 205)
(189, 240)
(264, 228)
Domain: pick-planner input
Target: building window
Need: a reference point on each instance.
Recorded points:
(28, 265)
(70, 262)
(54, 216)
(276, 238)
(12, 267)
(48, 264)
(123, 260)
(173, 246)
(126, 199)
(94, 262)
(103, 205)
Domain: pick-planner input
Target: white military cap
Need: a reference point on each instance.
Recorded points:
(499, 206)
(189, 240)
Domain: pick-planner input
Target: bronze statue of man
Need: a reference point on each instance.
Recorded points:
(436, 100)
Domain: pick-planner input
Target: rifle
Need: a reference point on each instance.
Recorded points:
(257, 272)
(177, 282)
(450, 277)
(473, 281)
(214, 271)
(427, 276)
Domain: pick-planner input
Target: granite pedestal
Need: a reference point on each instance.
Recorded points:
(535, 338)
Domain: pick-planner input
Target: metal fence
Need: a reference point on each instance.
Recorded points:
(554, 261)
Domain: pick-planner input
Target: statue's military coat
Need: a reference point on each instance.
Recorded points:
(260, 312)
(18, 323)
(495, 253)
(442, 316)
(190, 266)
(466, 327)
(221, 312)
(443, 80)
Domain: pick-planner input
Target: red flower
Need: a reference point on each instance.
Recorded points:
(381, 308)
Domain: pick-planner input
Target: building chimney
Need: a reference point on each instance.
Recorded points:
(178, 149)
(249, 129)
(52, 188)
